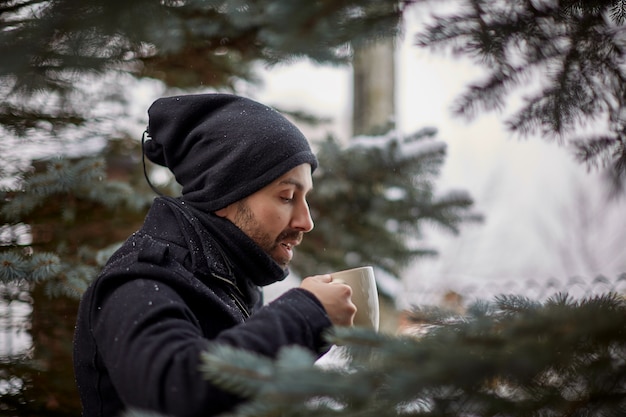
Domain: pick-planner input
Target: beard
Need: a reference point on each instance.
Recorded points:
(247, 222)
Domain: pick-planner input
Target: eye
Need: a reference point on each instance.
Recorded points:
(286, 196)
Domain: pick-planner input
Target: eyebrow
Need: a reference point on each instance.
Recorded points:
(294, 182)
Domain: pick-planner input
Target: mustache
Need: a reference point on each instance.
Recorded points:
(294, 235)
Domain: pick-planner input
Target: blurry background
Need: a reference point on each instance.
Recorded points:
(550, 222)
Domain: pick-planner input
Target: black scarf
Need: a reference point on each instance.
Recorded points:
(245, 260)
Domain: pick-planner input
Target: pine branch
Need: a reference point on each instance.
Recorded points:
(512, 357)
(389, 180)
(568, 55)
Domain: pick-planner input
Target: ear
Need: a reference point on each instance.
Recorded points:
(227, 212)
(223, 212)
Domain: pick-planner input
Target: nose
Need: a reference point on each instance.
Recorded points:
(302, 218)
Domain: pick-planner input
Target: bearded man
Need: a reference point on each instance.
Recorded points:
(192, 275)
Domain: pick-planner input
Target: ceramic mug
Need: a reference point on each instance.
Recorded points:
(364, 294)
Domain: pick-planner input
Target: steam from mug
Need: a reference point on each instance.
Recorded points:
(364, 294)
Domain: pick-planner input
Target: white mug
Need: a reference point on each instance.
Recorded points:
(364, 294)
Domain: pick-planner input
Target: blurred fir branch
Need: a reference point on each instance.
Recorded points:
(49, 46)
(82, 179)
(371, 200)
(509, 357)
(45, 219)
(566, 56)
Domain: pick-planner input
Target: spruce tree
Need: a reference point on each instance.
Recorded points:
(49, 46)
(371, 200)
(510, 357)
(62, 229)
(565, 57)
(62, 60)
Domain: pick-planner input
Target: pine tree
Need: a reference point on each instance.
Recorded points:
(58, 232)
(49, 46)
(514, 358)
(565, 56)
(64, 59)
(372, 198)
(509, 357)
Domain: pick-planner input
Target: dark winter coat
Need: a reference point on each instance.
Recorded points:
(175, 285)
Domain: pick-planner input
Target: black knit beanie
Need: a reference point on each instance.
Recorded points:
(221, 147)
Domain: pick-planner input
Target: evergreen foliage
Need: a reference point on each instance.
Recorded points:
(63, 59)
(63, 220)
(566, 56)
(48, 46)
(513, 357)
(52, 48)
(55, 198)
(60, 223)
(509, 357)
(372, 198)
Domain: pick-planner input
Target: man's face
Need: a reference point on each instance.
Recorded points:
(277, 216)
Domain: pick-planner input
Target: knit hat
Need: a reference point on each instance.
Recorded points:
(222, 148)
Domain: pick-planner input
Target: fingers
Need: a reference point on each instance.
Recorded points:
(320, 278)
(336, 298)
(326, 278)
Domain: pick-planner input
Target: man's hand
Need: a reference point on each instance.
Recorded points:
(334, 296)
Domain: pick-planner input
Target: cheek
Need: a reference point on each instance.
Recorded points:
(277, 220)
(271, 217)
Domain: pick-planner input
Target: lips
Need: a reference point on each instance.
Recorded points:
(288, 246)
(286, 242)
(286, 255)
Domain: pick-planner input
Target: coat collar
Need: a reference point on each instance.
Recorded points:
(217, 246)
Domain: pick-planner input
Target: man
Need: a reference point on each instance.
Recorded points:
(191, 275)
